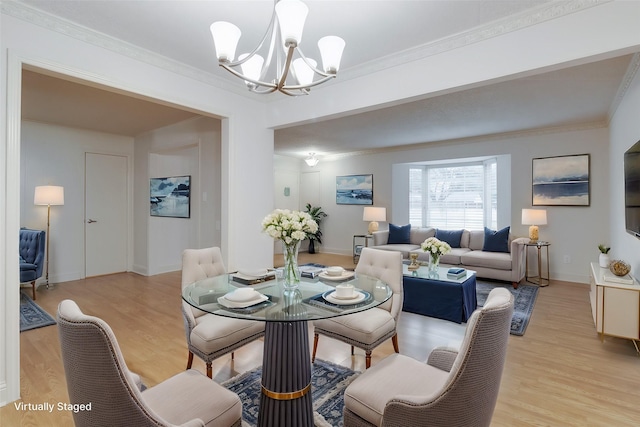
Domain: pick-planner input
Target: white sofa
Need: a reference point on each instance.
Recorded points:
(507, 266)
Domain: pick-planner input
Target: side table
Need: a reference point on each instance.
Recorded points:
(539, 245)
(360, 241)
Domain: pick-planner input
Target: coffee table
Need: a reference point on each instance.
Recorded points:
(436, 295)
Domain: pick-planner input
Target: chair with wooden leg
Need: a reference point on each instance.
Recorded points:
(368, 329)
(210, 336)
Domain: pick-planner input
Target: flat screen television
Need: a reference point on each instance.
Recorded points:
(632, 189)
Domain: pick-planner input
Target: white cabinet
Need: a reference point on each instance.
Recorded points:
(615, 306)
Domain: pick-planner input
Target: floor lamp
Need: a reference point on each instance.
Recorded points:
(48, 195)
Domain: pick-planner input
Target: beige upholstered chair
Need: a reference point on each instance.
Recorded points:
(368, 329)
(97, 375)
(210, 336)
(454, 389)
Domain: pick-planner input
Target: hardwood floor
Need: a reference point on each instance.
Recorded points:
(558, 374)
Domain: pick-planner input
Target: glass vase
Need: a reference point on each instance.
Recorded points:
(291, 272)
(434, 262)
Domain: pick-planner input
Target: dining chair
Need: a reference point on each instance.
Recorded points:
(103, 392)
(455, 388)
(370, 328)
(210, 336)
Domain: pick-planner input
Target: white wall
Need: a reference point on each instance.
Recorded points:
(193, 148)
(246, 197)
(574, 232)
(55, 155)
(624, 132)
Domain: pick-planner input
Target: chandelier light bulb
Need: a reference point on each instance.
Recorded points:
(225, 38)
(331, 48)
(291, 16)
(252, 67)
(303, 72)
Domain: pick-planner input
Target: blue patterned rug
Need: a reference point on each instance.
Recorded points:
(31, 315)
(524, 300)
(328, 382)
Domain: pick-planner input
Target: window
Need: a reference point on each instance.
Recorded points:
(454, 196)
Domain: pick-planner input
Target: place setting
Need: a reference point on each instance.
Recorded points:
(336, 274)
(345, 294)
(244, 299)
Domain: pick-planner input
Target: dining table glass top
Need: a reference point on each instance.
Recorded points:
(313, 299)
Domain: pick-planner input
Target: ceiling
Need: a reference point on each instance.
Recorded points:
(179, 30)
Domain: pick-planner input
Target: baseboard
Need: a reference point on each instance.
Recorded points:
(3, 394)
(140, 269)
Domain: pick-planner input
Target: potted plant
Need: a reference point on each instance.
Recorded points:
(604, 256)
(317, 214)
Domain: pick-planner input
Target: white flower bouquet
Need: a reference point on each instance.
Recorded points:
(436, 248)
(289, 226)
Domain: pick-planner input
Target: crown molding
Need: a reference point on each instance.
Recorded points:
(473, 139)
(545, 12)
(60, 25)
(515, 22)
(632, 71)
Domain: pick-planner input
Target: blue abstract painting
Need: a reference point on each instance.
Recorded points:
(561, 181)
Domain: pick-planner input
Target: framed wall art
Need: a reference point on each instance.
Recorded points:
(561, 181)
(354, 190)
(170, 196)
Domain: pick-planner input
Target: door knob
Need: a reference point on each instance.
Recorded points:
(91, 221)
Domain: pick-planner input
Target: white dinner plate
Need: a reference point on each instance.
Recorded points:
(242, 295)
(341, 301)
(244, 304)
(345, 275)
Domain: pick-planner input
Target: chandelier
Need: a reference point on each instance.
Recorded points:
(279, 71)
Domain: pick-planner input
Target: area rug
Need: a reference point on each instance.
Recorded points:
(32, 316)
(328, 382)
(524, 300)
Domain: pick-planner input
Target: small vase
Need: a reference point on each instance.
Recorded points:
(434, 262)
(291, 272)
(604, 260)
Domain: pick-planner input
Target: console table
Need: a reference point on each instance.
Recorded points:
(615, 306)
(436, 295)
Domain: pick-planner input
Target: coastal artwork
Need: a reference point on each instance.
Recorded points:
(354, 190)
(170, 196)
(561, 181)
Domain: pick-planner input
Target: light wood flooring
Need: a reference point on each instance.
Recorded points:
(558, 374)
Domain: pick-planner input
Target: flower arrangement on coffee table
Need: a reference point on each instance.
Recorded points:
(291, 227)
(436, 248)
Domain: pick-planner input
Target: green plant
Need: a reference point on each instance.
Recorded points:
(317, 214)
(604, 249)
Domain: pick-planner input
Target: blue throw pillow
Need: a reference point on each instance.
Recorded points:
(496, 241)
(452, 237)
(399, 234)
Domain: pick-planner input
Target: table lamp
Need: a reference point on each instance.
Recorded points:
(534, 218)
(374, 215)
(48, 195)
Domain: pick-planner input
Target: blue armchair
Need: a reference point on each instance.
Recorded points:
(31, 247)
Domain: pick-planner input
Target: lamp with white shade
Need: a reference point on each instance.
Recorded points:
(534, 218)
(374, 214)
(48, 195)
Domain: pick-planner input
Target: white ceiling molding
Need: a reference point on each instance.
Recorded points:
(545, 12)
(542, 13)
(634, 66)
(87, 35)
(471, 139)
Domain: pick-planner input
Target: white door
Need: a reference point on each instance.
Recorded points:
(106, 208)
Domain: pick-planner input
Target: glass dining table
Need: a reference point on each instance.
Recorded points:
(286, 364)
